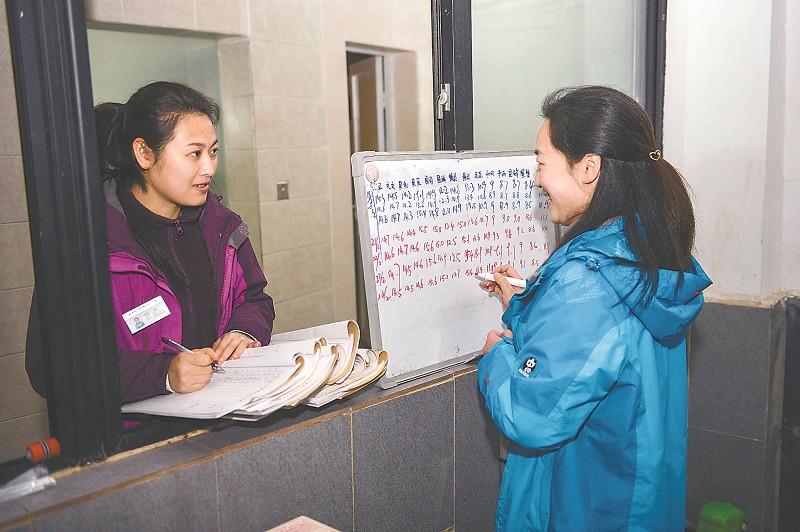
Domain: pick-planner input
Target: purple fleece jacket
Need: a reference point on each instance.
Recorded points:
(143, 359)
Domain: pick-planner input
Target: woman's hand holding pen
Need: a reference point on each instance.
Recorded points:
(190, 371)
(231, 345)
(500, 285)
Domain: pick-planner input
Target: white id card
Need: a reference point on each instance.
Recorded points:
(146, 314)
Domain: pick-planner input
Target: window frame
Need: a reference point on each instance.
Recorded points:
(452, 63)
(50, 59)
(50, 62)
(655, 65)
(451, 22)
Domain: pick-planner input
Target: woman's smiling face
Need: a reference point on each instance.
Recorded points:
(569, 188)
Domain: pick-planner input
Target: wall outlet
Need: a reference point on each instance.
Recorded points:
(283, 190)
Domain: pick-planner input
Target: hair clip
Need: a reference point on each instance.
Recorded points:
(655, 155)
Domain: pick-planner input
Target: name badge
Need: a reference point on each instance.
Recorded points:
(146, 314)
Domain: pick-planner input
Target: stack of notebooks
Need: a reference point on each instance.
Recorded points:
(313, 366)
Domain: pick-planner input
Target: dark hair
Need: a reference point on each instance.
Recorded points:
(635, 182)
(152, 113)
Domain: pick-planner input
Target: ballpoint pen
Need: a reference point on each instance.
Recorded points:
(179, 347)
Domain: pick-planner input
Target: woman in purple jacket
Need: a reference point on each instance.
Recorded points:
(181, 264)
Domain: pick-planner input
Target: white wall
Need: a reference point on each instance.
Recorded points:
(730, 120)
(789, 272)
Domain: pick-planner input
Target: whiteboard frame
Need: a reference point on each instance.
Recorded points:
(358, 162)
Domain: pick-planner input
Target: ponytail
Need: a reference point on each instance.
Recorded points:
(116, 156)
(635, 182)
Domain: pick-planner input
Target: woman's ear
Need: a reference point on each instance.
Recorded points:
(589, 168)
(144, 155)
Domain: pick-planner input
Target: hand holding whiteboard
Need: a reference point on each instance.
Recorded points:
(428, 223)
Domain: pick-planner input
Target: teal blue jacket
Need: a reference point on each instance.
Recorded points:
(592, 392)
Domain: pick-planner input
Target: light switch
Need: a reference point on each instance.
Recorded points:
(283, 190)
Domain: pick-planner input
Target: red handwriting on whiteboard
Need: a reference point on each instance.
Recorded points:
(432, 230)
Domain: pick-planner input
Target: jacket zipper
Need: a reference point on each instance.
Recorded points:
(214, 297)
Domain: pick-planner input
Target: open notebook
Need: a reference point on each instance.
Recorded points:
(314, 366)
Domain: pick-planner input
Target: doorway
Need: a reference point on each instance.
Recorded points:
(367, 105)
(384, 106)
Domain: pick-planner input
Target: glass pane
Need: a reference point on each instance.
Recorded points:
(150, 57)
(523, 49)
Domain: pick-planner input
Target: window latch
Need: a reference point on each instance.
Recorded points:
(443, 101)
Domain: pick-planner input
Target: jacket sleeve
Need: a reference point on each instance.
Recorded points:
(253, 312)
(142, 374)
(569, 333)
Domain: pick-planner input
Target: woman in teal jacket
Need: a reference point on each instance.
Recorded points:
(589, 381)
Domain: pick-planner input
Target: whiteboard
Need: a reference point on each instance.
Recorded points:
(427, 223)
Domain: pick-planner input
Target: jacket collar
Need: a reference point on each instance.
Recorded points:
(217, 222)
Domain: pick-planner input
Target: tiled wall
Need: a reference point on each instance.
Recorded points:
(385, 24)
(735, 405)
(236, 86)
(22, 412)
(291, 145)
(284, 94)
(789, 510)
(427, 452)
(420, 457)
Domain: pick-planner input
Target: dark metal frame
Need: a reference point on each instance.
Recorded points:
(452, 63)
(655, 51)
(788, 514)
(54, 97)
(50, 57)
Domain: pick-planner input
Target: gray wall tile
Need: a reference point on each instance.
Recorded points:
(16, 261)
(771, 483)
(19, 399)
(789, 510)
(27, 527)
(108, 474)
(306, 472)
(13, 205)
(477, 458)
(729, 370)
(403, 462)
(726, 468)
(17, 433)
(14, 306)
(230, 435)
(242, 432)
(184, 500)
(11, 510)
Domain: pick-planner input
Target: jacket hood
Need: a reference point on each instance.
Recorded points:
(676, 302)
